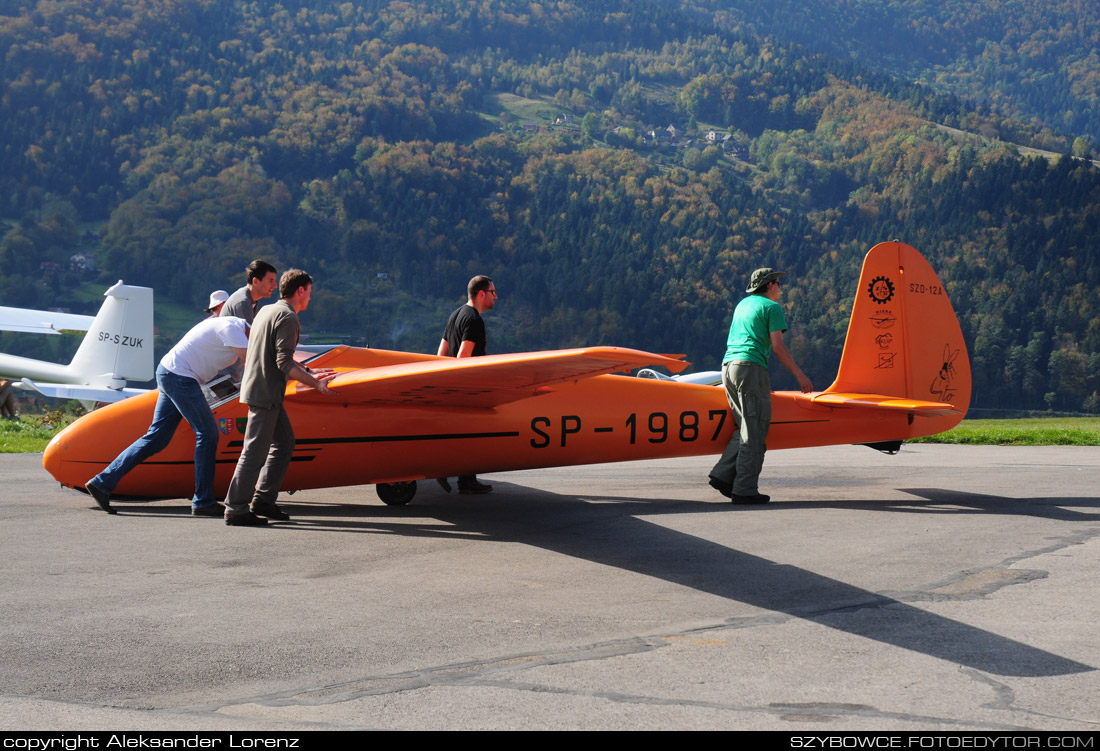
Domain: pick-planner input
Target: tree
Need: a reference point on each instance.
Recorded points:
(590, 124)
(1081, 148)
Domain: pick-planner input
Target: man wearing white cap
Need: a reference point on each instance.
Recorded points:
(756, 330)
(217, 300)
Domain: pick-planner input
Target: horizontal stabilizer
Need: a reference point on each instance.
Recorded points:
(877, 401)
(479, 382)
(84, 393)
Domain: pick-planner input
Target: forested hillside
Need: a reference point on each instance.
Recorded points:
(396, 148)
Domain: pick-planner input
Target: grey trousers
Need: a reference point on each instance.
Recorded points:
(748, 390)
(265, 458)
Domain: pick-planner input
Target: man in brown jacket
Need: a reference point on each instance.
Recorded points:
(269, 438)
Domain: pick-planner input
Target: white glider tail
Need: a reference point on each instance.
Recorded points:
(117, 348)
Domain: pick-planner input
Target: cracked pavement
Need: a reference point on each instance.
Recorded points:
(947, 587)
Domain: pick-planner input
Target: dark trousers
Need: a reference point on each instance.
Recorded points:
(265, 458)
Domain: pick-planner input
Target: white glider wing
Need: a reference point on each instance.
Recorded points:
(42, 321)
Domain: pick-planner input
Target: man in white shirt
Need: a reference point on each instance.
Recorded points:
(214, 344)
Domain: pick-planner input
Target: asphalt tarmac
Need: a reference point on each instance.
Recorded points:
(945, 588)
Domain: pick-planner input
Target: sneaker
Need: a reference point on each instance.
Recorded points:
(214, 509)
(750, 499)
(474, 488)
(271, 511)
(444, 483)
(101, 496)
(245, 520)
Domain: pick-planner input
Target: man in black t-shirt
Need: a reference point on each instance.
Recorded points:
(464, 336)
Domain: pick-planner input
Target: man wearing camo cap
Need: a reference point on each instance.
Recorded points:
(757, 330)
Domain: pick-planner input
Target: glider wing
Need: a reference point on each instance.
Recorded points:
(478, 382)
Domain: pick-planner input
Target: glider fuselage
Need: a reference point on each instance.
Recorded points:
(608, 418)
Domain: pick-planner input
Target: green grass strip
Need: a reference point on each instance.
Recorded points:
(29, 434)
(1039, 431)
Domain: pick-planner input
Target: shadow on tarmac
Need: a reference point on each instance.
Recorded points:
(607, 530)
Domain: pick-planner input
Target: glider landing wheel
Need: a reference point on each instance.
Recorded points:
(396, 493)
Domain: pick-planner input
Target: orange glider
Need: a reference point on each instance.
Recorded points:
(400, 417)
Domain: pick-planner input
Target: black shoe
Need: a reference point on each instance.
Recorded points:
(750, 499)
(721, 486)
(245, 520)
(102, 497)
(474, 488)
(214, 509)
(444, 483)
(271, 511)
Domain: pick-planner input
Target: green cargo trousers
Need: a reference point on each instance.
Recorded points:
(748, 390)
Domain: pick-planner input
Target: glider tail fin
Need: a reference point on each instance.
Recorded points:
(119, 344)
(903, 338)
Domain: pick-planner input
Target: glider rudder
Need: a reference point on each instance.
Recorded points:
(119, 344)
(904, 339)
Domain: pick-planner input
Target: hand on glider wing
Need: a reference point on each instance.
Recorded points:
(317, 379)
(323, 381)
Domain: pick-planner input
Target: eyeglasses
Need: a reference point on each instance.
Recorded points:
(492, 291)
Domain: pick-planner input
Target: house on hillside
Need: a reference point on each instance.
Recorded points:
(49, 270)
(82, 262)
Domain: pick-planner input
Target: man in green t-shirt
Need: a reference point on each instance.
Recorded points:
(757, 330)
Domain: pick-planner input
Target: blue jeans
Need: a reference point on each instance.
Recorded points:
(180, 398)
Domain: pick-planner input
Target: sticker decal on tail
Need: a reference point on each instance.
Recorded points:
(941, 384)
